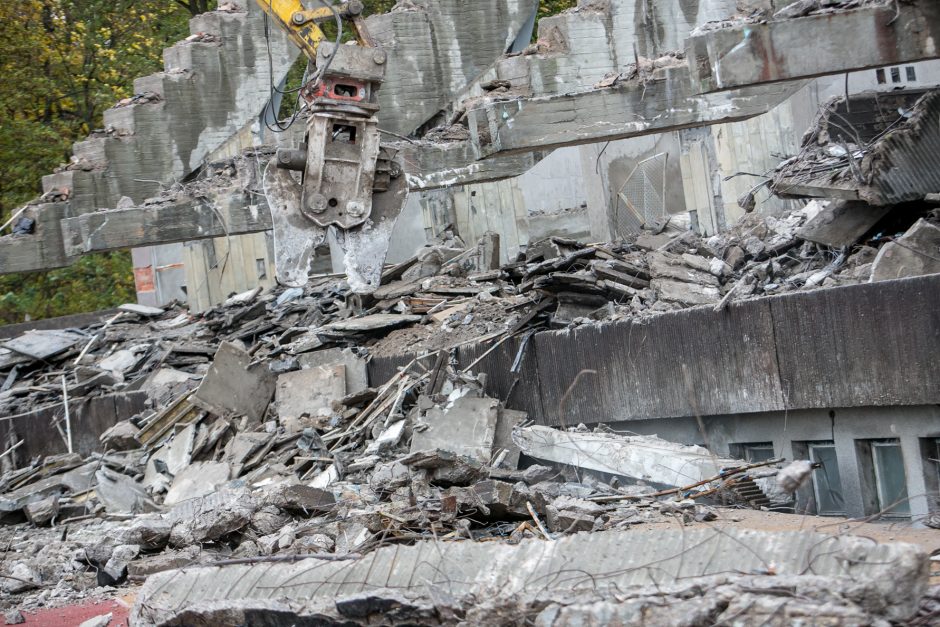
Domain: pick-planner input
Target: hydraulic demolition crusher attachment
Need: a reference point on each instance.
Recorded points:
(347, 181)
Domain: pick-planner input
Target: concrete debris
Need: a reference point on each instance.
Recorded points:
(252, 433)
(915, 253)
(704, 572)
(98, 621)
(794, 475)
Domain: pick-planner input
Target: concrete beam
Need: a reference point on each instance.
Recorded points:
(815, 45)
(406, 584)
(234, 213)
(41, 250)
(664, 102)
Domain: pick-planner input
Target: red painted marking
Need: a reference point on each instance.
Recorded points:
(74, 615)
(143, 278)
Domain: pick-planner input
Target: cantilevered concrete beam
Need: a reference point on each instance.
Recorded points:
(831, 42)
(663, 102)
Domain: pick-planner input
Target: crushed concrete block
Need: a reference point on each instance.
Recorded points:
(388, 439)
(167, 560)
(503, 500)
(314, 543)
(506, 421)
(42, 512)
(916, 253)
(98, 621)
(305, 398)
(567, 521)
(890, 577)
(841, 223)
(297, 497)
(22, 578)
(13, 617)
(663, 266)
(151, 533)
(268, 519)
(119, 362)
(124, 554)
(467, 426)
(196, 480)
(357, 374)
(120, 494)
(735, 256)
(210, 517)
(171, 458)
(121, 437)
(686, 293)
(389, 477)
(445, 468)
(233, 386)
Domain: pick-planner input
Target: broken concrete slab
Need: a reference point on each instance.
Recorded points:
(141, 310)
(648, 458)
(120, 494)
(374, 322)
(686, 293)
(916, 253)
(893, 576)
(196, 480)
(842, 223)
(305, 398)
(169, 560)
(234, 386)
(296, 497)
(210, 517)
(506, 421)
(357, 375)
(43, 344)
(663, 266)
(42, 512)
(466, 426)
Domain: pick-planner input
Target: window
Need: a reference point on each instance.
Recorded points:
(911, 74)
(827, 483)
(895, 75)
(753, 452)
(890, 480)
(880, 75)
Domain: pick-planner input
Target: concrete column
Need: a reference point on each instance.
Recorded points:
(914, 473)
(850, 472)
(595, 189)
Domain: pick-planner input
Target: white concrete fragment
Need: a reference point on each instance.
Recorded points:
(643, 457)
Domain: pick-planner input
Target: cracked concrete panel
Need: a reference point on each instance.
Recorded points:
(436, 49)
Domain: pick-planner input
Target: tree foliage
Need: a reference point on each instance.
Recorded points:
(62, 63)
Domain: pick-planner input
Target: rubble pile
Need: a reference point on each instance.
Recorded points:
(449, 295)
(261, 439)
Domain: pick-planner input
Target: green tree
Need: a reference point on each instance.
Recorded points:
(62, 63)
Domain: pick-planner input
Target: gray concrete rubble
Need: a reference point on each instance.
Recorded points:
(888, 157)
(557, 580)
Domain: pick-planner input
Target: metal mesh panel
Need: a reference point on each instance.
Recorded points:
(642, 197)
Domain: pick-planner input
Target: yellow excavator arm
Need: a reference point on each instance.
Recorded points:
(303, 25)
(350, 184)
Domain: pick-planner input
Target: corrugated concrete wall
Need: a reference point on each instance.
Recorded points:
(871, 345)
(90, 418)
